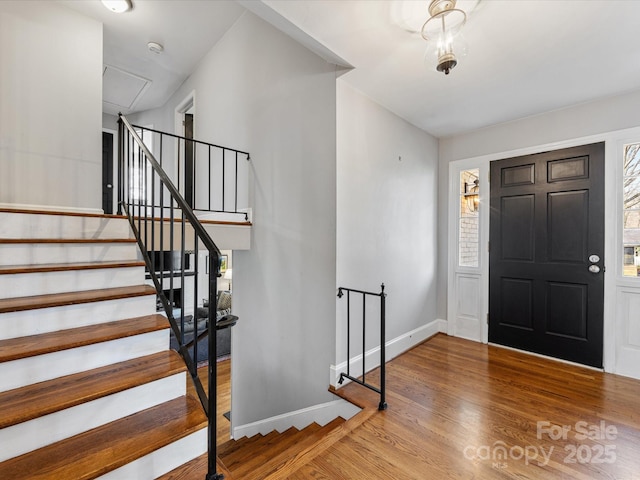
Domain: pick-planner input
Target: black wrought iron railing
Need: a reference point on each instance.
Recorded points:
(363, 379)
(208, 176)
(174, 245)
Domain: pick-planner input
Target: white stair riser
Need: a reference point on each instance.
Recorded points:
(44, 320)
(163, 460)
(43, 283)
(25, 437)
(30, 225)
(25, 371)
(46, 253)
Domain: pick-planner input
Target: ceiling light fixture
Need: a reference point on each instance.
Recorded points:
(118, 6)
(442, 29)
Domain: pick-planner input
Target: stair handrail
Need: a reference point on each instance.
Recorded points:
(383, 368)
(200, 234)
(195, 205)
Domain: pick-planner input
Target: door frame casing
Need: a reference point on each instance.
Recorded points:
(612, 196)
(187, 103)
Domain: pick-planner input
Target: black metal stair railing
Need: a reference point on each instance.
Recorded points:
(197, 164)
(172, 241)
(362, 380)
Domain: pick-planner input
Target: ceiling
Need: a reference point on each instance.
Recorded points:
(525, 57)
(142, 80)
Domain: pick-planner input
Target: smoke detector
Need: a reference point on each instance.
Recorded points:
(155, 47)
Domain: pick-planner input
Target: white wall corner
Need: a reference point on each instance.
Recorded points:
(443, 325)
(320, 414)
(394, 347)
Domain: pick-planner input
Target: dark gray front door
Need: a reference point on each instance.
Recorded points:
(546, 262)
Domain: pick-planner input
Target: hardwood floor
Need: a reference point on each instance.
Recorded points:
(463, 410)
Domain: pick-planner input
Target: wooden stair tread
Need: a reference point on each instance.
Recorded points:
(252, 453)
(39, 399)
(22, 347)
(196, 469)
(359, 396)
(307, 454)
(61, 267)
(243, 223)
(225, 222)
(228, 449)
(20, 241)
(258, 448)
(100, 450)
(287, 463)
(267, 462)
(62, 213)
(73, 298)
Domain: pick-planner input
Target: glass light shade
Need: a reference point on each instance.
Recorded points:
(445, 48)
(441, 30)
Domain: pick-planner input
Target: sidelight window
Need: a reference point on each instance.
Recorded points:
(631, 211)
(468, 223)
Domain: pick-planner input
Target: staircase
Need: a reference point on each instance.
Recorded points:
(88, 386)
(261, 457)
(282, 456)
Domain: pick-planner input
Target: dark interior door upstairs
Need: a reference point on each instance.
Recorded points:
(189, 161)
(107, 172)
(546, 262)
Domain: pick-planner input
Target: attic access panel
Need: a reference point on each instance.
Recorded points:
(122, 89)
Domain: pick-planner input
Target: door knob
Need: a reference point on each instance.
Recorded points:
(594, 269)
(594, 258)
(109, 185)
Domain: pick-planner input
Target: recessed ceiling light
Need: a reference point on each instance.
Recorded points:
(118, 6)
(155, 47)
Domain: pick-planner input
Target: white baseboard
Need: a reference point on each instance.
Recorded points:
(52, 208)
(393, 348)
(321, 414)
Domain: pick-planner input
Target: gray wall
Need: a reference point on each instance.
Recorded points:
(50, 104)
(109, 122)
(260, 91)
(387, 213)
(606, 115)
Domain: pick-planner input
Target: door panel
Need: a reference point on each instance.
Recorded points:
(567, 310)
(517, 303)
(517, 233)
(568, 226)
(546, 219)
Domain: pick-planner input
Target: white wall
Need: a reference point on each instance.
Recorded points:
(387, 213)
(606, 115)
(260, 91)
(50, 106)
